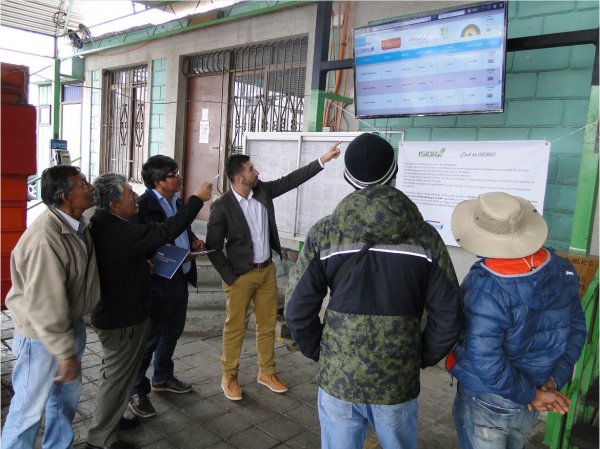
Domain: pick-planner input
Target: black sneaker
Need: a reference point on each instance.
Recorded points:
(173, 385)
(141, 406)
(128, 423)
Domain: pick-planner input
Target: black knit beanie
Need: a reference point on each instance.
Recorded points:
(369, 161)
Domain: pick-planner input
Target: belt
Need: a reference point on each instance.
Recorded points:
(262, 264)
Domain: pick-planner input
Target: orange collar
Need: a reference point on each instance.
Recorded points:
(521, 265)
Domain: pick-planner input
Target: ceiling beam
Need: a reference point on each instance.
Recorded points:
(38, 17)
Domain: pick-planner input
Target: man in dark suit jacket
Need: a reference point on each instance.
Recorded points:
(243, 221)
(169, 297)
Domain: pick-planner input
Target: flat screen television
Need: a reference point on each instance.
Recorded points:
(441, 63)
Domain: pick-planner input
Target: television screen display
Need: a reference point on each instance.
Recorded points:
(447, 62)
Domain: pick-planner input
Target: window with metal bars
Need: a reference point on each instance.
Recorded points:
(266, 86)
(72, 93)
(124, 108)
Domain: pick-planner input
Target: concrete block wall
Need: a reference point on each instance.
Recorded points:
(158, 96)
(547, 97)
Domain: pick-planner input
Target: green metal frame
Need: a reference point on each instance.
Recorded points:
(340, 98)
(317, 106)
(587, 185)
(558, 427)
(56, 93)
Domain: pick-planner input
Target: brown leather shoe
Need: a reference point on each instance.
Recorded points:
(272, 382)
(231, 387)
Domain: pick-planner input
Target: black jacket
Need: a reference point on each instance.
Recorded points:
(371, 343)
(122, 249)
(152, 212)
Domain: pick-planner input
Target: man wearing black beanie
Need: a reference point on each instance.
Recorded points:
(384, 265)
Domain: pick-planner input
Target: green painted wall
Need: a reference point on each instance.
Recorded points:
(547, 97)
(158, 95)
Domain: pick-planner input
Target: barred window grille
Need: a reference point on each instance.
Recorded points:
(124, 100)
(72, 93)
(266, 90)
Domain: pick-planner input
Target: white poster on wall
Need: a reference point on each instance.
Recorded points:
(439, 175)
(204, 131)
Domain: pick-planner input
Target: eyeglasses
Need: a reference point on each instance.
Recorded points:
(173, 175)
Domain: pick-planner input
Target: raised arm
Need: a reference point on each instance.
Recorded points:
(301, 175)
(332, 153)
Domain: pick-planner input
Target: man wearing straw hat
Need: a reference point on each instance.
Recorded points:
(525, 327)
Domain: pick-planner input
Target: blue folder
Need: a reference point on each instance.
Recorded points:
(168, 259)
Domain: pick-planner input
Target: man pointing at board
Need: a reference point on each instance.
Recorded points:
(243, 221)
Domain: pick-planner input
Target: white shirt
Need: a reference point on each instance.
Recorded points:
(73, 222)
(258, 222)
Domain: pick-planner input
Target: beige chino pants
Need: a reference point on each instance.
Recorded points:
(259, 287)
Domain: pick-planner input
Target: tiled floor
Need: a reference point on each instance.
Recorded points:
(204, 418)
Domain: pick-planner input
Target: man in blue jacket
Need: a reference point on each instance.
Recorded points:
(525, 327)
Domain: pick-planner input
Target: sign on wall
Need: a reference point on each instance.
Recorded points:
(439, 175)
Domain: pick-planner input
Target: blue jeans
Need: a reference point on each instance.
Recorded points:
(169, 309)
(490, 421)
(344, 424)
(36, 392)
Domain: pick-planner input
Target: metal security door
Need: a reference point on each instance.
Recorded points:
(205, 129)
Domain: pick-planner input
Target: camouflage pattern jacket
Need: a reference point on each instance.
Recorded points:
(371, 344)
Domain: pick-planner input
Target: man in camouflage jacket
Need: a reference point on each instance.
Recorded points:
(370, 346)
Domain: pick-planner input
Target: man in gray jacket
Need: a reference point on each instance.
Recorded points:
(54, 284)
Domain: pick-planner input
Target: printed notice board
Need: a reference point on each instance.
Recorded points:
(439, 175)
(435, 175)
(276, 154)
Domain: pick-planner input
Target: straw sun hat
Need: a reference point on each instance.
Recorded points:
(499, 225)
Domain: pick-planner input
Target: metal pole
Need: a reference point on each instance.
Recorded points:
(56, 91)
(319, 76)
